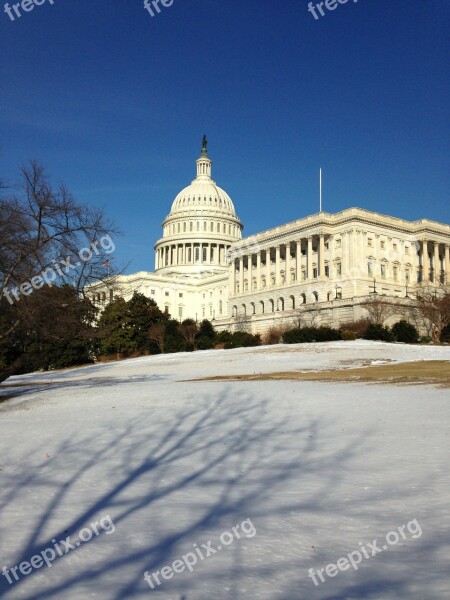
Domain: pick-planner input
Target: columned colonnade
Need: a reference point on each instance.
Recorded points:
(434, 262)
(194, 253)
(282, 264)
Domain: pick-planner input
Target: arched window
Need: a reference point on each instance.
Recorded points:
(184, 226)
(220, 307)
(262, 306)
(197, 254)
(316, 296)
(191, 226)
(198, 225)
(293, 302)
(204, 224)
(272, 306)
(303, 297)
(204, 251)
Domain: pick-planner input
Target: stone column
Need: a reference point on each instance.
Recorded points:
(298, 262)
(277, 265)
(309, 253)
(232, 278)
(331, 257)
(447, 264)
(322, 256)
(288, 264)
(425, 263)
(437, 264)
(268, 282)
(241, 275)
(258, 270)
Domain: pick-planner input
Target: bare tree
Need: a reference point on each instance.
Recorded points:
(433, 307)
(241, 322)
(380, 310)
(308, 316)
(157, 334)
(188, 331)
(47, 239)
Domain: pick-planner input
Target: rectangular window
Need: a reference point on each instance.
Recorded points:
(382, 245)
(370, 269)
(292, 277)
(395, 247)
(166, 293)
(338, 243)
(304, 275)
(339, 268)
(383, 271)
(406, 249)
(180, 312)
(180, 295)
(152, 291)
(395, 273)
(369, 242)
(407, 276)
(327, 271)
(315, 273)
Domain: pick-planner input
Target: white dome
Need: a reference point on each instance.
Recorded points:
(203, 196)
(201, 226)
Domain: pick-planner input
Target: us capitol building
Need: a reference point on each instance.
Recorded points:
(322, 267)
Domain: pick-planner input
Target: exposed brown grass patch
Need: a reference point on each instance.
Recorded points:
(435, 372)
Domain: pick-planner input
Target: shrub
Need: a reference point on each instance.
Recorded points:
(405, 332)
(377, 332)
(205, 343)
(348, 335)
(242, 339)
(445, 335)
(311, 334)
(357, 327)
(273, 335)
(327, 334)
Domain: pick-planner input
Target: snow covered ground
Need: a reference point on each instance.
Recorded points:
(306, 472)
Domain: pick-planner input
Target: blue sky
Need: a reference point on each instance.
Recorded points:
(115, 102)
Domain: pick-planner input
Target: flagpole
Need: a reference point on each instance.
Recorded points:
(320, 190)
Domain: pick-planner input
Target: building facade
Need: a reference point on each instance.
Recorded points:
(321, 268)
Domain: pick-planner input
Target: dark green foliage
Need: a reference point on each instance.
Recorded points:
(56, 331)
(311, 334)
(123, 326)
(378, 332)
(205, 343)
(445, 335)
(206, 330)
(224, 336)
(242, 339)
(405, 332)
(174, 342)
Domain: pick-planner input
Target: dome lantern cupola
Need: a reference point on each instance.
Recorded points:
(200, 227)
(204, 163)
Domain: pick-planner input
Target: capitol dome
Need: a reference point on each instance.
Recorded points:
(200, 227)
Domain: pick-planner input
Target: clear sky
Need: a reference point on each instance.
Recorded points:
(115, 102)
